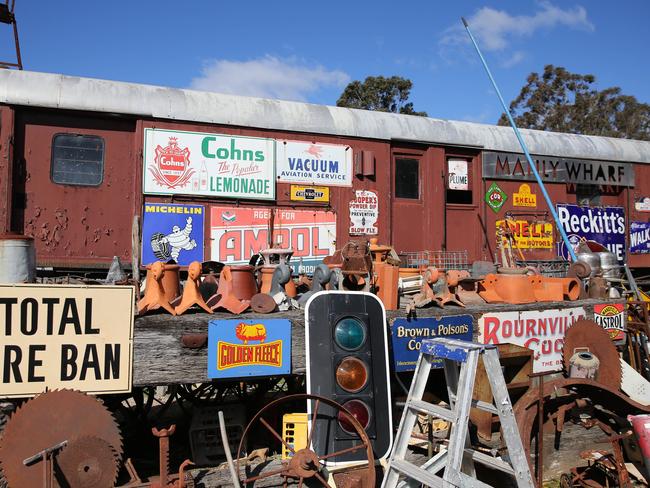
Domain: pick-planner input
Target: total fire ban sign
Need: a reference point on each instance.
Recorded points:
(204, 164)
(540, 330)
(65, 336)
(240, 348)
(407, 335)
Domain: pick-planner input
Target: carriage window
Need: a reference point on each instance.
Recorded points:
(77, 160)
(407, 178)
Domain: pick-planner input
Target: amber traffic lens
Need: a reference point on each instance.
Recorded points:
(359, 411)
(352, 374)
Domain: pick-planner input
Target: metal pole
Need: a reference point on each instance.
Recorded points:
(524, 147)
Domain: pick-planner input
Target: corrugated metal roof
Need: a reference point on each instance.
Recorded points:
(74, 93)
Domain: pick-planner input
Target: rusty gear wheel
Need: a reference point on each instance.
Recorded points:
(49, 419)
(88, 462)
(587, 335)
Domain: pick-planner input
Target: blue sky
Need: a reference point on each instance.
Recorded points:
(309, 50)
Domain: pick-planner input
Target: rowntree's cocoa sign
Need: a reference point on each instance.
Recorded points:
(204, 164)
(540, 330)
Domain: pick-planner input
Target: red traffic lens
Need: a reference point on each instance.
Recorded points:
(352, 374)
(359, 411)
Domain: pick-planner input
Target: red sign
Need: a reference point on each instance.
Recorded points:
(171, 165)
(611, 317)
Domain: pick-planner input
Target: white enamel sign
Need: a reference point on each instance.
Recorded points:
(203, 164)
(314, 163)
(364, 213)
(457, 174)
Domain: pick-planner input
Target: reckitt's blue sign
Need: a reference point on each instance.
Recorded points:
(604, 225)
(407, 335)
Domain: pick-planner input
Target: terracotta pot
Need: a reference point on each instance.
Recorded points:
(243, 282)
(171, 281)
(290, 288)
(266, 276)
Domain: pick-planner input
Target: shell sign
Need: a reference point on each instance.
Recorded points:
(240, 348)
(524, 198)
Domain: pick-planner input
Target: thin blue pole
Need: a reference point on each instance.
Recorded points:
(525, 148)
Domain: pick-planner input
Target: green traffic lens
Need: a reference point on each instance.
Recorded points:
(350, 333)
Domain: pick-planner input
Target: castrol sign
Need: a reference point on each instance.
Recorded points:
(239, 233)
(540, 330)
(611, 317)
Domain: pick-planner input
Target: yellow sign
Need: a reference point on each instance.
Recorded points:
(524, 198)
(310, 193)
(529, 235)
(63, 336)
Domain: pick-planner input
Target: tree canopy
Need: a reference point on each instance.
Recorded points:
(381, 94)
(561, 101)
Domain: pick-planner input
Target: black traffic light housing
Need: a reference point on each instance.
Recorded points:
(347, 361)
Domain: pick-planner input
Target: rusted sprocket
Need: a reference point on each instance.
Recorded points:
(587, 335)
(89, 462)
(46, 420)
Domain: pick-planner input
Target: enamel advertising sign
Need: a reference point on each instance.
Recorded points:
(314, 163)
(524, 197)
(65, 336)
(240, 348)
(239, 233)
(611, 317)
(204, 164)
(540, 330)
(407, 335)
(364, 213)
(172, 231)
(301, 193)
(640, 237)
(604, 225)
(528, 234)
(458, 178)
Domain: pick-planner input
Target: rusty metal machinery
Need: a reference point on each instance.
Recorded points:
(588, 336)
(54, 417)
(305, 464)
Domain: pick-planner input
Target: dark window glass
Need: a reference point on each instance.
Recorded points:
(77, 160)
(463, 197)
(588, 194)
(407, 178)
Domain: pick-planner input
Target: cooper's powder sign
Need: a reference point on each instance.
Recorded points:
(238, 348)
(542, 331)
(364, 213)
(216, 165)
(314, 163)
(58, 336)
(611, 317)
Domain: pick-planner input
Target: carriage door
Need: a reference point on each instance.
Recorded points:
(411, 214)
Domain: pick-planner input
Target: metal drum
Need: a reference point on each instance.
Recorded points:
(17, 259)
(609, 265)
(592, 259)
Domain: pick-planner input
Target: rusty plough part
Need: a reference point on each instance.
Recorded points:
(164, 479)
(191, 292)
(225, 296)
(356, 267)
(154, 294)
(520, 288)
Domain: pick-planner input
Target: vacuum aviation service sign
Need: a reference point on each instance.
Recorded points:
(314, 163)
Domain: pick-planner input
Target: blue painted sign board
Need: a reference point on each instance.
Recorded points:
(254, 347)
(407, 335)
(604, 225)
(171, 231)
(639, 237)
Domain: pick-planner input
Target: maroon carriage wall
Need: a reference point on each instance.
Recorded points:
(85, 226)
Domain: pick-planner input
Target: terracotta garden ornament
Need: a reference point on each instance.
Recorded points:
(154, 294)
(191, 293)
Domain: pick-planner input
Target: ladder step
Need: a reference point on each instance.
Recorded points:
(431, 409)
(486, 407)
(416, 473)
(489, 461)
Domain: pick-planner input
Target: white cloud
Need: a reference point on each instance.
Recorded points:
(494, 29)
(517, 57)
(267, 77)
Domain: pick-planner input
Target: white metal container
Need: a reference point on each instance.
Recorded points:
(17, 259)
(609, 265)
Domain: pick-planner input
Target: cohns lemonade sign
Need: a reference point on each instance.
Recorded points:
(197, 163)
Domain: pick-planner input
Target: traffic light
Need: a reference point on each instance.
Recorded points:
(347, 361)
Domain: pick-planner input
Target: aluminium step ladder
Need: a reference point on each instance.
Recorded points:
(458, 459)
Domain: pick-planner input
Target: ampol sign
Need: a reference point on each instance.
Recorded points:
(542, 331)
(239, 233)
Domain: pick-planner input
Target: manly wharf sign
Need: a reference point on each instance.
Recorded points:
(512, 166)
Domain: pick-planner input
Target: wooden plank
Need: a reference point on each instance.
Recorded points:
(160, 358)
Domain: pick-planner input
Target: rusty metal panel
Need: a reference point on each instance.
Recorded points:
(6, 166)
(74, 225)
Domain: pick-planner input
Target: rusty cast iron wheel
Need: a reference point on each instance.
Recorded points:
(46, 420)
(88, 462)
(305, 463)
(588, 335)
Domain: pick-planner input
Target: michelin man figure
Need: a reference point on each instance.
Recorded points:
(180, 239)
